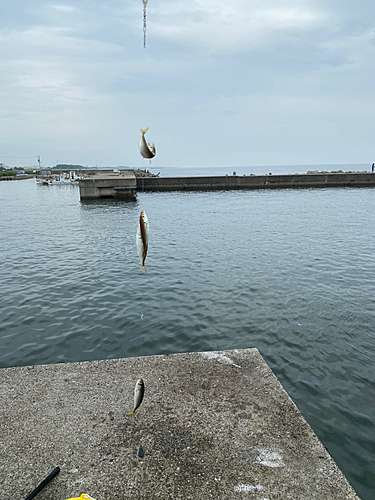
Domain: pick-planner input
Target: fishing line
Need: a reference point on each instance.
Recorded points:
(142, 243)
(144, 22)
(143, 284)
(140, 449)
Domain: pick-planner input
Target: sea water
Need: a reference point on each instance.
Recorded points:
(290, 272)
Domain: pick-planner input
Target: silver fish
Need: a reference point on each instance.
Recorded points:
(138, 395)
(147, 149)
(142, 239)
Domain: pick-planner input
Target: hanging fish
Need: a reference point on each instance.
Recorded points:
(142, 239)
(146, 149)
(138, 395)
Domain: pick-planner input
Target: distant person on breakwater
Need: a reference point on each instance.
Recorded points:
(372, 167)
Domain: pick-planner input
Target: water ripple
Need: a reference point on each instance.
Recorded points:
(289, 272)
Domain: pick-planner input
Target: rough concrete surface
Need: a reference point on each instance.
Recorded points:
(211, 425)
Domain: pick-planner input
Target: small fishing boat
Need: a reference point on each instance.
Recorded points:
(63, 178)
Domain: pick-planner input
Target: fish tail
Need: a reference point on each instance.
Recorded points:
(144, 131)
(143, 268)
(132, 413)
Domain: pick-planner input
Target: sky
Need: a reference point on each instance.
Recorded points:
(260, 82)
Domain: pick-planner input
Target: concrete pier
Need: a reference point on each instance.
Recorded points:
(212, 425)
(229, 182)
(127, 182)
(108, 185)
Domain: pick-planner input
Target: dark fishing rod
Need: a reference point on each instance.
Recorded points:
(43, 484)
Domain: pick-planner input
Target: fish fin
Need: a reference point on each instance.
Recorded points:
(132, 413)
(144, 131)
(143, 268)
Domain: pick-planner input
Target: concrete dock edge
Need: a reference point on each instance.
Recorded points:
(251, 182)
(212, 425)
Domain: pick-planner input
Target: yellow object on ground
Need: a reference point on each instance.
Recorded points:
(82, 497)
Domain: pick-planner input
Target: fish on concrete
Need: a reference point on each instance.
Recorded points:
(142, 240)
(138, 395)
(147, 149)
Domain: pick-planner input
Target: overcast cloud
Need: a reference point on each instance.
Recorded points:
(259, 82)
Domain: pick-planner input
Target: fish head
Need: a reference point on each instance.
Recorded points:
(143, 217)
(140, 382)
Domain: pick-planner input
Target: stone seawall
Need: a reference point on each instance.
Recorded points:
(315, 180)
(16, 177)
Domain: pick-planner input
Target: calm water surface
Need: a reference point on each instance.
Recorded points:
(290, 272)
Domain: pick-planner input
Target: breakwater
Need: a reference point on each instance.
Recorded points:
(228, 182)
(126, 183)
(16, 177)
(108, 185)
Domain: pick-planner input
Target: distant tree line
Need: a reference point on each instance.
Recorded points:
(65, 166)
